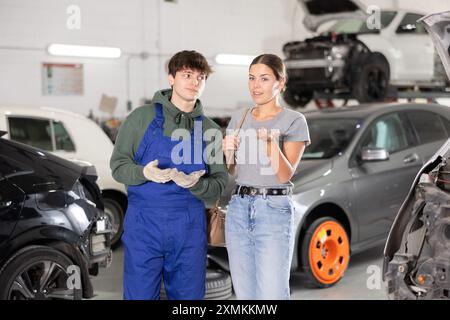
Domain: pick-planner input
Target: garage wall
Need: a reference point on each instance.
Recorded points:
(156, 27)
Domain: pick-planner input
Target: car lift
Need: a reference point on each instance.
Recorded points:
(326, 99)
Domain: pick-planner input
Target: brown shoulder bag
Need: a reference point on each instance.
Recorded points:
(216, 216)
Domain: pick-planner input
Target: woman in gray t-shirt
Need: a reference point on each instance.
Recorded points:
(260, 215)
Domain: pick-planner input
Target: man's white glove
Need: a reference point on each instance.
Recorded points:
(153, 173)
(186, 180)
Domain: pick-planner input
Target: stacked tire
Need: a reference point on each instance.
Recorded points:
(217, 287)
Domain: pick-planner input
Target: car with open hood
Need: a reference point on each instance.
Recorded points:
(360, 54)
(417, 251)
(53, 231)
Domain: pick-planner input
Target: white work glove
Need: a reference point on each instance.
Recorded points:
(153, 173)
(186, 180)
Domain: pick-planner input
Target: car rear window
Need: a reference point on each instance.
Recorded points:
(33, 132)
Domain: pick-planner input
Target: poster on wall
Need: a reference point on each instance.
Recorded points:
(62, 79)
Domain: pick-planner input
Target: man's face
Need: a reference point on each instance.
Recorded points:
(188, 84)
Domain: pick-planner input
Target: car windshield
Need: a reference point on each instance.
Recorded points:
(360, 26)
(329, 137)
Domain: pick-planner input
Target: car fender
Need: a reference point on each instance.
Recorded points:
(106, 180)
(377, 44)
(300, 221)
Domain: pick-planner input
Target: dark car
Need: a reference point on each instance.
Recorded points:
(53, 232)
(352, 180)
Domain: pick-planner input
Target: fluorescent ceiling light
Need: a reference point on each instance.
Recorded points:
(234, 59)
(56, 49)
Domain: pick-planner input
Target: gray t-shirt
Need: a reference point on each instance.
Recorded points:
(253, 166)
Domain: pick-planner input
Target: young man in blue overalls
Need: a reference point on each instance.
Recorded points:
(165, 228)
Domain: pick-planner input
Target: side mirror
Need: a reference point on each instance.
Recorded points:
(374, 154)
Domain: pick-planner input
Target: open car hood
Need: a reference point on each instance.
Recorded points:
(417, 251)
(438, 26)
(318, 12)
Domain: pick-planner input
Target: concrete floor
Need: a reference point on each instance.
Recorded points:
(361, 281)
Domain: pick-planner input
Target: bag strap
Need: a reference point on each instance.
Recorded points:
(242, 121)
(231, 153)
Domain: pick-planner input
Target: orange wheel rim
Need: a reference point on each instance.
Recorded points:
(329, 252)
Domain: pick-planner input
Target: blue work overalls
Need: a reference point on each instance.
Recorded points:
(165, 227)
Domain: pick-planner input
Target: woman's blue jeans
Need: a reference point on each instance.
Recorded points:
(259, 233)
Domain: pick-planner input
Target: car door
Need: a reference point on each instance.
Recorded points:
(430, 130)
(381, 186)
(11, 197)
(415, 47)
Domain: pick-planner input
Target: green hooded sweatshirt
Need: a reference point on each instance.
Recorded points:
(126, 171)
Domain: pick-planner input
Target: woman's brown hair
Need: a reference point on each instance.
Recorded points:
(274, 62)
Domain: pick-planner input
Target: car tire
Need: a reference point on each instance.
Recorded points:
(114, 211)
(325, 252)
(22, 273)
(371, 78)
(295, 99)
(217, 287)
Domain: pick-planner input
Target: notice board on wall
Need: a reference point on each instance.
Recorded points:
(62, 79)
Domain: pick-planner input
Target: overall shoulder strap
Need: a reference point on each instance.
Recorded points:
(159, 111)
(159, 117)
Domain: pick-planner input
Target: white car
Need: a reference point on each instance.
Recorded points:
(359, 53)
(73, 137)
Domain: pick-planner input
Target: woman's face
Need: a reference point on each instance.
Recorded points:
(262, 84)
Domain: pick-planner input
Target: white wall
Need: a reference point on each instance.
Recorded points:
(154, 26)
